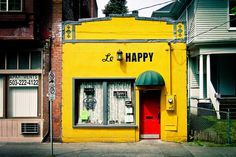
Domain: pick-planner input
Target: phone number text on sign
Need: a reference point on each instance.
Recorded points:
(23, 80)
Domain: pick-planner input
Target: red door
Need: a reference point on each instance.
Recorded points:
(150, 114)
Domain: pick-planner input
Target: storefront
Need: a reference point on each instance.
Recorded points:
(21, 80)
(123, 79)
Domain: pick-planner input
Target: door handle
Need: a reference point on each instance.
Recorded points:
(159, 115)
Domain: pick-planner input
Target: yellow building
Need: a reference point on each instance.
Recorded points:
(124, 79)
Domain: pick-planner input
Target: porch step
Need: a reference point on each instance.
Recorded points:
(206, 108)
(228, 103)
(204, 101)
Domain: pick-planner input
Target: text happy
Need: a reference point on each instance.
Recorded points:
(139, 57)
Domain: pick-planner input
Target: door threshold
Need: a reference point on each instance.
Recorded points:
(150, 136)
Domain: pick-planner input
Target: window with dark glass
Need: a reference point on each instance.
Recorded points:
(24, 60)
(232, 11)
(10, 5)
(36, 60)
(3, 5)
(14, 5)
(2, 60)
(21, 60)
(11, 61)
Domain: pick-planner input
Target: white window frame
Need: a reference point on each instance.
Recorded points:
(230, 28)
(7, 7)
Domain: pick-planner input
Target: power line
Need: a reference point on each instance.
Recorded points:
(152, 6)
(194, 15)
(212, 28)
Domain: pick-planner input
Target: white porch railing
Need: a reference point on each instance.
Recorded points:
(211, 93)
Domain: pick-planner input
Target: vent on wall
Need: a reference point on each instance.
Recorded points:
(29, 128)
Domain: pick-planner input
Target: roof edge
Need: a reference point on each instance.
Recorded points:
(168, 20)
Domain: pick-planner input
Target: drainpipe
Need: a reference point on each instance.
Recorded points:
(188, 96)
(46, 136)
(170, 70)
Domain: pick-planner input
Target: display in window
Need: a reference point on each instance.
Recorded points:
(104, 102)
(91, 103)
(119, 93)
(129, 118)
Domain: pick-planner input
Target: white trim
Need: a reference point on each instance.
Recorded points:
(208, 74)
(201, 83)
(217, 50)
(228, 16)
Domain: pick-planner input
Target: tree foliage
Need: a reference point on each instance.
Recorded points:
(233, 10)
(115, 7)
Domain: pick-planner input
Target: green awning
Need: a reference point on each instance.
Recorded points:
(150, 78)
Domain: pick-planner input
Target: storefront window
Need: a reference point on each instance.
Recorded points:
(120, 110)
(23, 96)
(104, 102)
(23, 102)
(91, 103)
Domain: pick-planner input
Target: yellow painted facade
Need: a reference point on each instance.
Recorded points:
(87, 44)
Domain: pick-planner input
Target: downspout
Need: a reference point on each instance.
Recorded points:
(49, 69)
(188, 95)
(188, 73)
(170, 70)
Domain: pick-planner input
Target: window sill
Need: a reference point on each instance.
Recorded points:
(232, 29)
(20, 71)
(104, 126)
(13, 16)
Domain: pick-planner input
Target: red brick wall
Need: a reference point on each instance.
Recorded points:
(56, 63)
(93, 8)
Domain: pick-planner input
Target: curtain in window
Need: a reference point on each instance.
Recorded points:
(116, 104)
(91, 103)
(23, 102)
(1, 96)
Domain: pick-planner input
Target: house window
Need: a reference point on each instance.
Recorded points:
(21, 94)
(103, 102)
(2, 61)
(232, 16)
(21, 60)
(10, 5)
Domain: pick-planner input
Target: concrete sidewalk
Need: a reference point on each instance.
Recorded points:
(151, 148)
